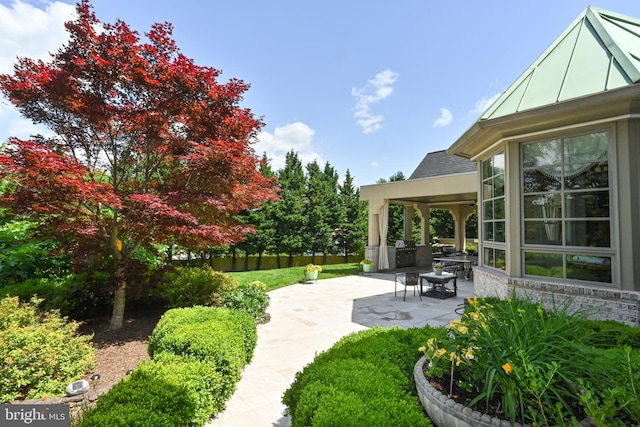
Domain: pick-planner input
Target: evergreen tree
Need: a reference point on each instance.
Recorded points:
(396, 216)
(263, 220)
(352, 224)
(289, 213)
(319, 192)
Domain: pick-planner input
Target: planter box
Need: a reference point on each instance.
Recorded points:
(445, 412)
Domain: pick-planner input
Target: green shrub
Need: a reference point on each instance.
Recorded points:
(366, 378)
(168, 391)
(40, 351)
(609, 334)
(252, 298)
(610, 391)
(358, 393)
(224, 337)
(74, 295)
(190, 286)
(22, 256)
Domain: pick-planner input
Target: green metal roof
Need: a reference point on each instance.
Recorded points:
(599, 51)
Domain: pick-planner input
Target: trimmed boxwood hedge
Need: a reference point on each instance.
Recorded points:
(197, 357)
(168, 391)
(366, 378)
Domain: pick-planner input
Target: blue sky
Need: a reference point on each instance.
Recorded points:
(367, 86)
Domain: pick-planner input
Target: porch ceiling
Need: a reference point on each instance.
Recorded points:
(440, 200)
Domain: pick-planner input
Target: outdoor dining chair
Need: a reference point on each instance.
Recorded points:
(409, 278)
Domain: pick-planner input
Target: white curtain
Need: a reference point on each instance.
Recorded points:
(383, 224)
(550, 210)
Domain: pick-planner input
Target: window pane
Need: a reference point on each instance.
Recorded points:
(589, 267)
(543, 232)
(588, 233)
(542, 179)
(488, 257)
(499, 228)
(487, 189)
(586, 175)
(541, 264)
(498, 189)
(589, 148)
(587, 205)
(488, 231)
(487, 169)
(542, 153)
(498, 164)
(487, 207)
(498, 208)
(501, 259)
(543, 206)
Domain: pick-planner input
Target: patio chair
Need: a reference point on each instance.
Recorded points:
(451, 267)
(409, 278)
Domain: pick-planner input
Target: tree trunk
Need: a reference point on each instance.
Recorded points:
(119, 299)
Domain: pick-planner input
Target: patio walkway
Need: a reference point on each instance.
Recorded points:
(309, 318)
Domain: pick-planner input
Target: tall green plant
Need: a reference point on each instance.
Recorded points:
(515, 350)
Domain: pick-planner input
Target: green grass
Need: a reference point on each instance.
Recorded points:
(279, 278)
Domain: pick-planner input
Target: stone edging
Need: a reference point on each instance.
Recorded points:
(445, 412)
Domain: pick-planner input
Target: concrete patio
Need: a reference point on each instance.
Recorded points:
(309, 318)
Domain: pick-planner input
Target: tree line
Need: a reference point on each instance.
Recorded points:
(317, 214)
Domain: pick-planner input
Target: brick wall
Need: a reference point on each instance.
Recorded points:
(602, 303)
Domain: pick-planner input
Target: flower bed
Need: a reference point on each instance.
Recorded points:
(513, 360)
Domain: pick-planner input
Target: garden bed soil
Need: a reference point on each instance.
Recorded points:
(119, 351)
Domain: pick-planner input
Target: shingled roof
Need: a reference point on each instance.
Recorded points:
(440, 163)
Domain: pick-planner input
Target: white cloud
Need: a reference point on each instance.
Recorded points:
(445, 118)
(377, 89)
(375, 164)
(295, 136)
(484, 103)
(26, 31)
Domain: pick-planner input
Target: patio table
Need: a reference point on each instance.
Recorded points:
(438, 282)
(466, 260)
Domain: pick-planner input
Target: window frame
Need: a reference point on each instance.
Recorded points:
(570, 252)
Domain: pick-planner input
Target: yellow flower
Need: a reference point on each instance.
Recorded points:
(468, 354)
(422, 349)
(458, 326)
(473, 302)
(508, 368)
(440, 352)
(431, 344)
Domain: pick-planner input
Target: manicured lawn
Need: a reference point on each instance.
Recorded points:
(282, 277)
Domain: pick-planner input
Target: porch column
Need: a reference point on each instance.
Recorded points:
(423, 213)
(373, 238)
(409, 213)
(372, 250)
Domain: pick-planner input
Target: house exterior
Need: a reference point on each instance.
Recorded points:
(558, 173)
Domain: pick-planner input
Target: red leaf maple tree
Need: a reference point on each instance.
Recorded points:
(148, 148)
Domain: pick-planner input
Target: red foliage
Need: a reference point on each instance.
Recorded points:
(149, 146)
(141, 131)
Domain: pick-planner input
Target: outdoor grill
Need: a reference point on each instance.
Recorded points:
(405, 253)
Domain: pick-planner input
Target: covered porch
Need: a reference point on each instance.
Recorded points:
(440, 181)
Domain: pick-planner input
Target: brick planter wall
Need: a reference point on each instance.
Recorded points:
(604, 303)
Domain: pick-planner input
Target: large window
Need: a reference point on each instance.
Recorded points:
(493, 212)
(565, 205)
